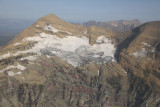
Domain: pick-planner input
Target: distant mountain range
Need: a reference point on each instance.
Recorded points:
(118, 25)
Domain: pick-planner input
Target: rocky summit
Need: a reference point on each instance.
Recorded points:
(54, 63)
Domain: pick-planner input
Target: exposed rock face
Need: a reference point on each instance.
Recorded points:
(118, 26)
(55, 63)
(66, 86)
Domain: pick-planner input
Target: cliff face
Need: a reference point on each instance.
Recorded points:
(65, 87)
(55, 63)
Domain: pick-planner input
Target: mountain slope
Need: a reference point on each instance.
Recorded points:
(140, 58)
(57, 63)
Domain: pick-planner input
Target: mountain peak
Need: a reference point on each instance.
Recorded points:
(50, 18)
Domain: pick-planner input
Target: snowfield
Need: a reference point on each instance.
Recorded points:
(74, 50)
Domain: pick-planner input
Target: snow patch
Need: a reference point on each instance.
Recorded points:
(141, 53)
(37, 26)
(114, 25)
(50, 28)
(21, 52)
(18, 66)
(98, 72)
(67, 32)
(10, 73)
(85, 32)
(5, 56)
(153, 50)
(146, 44)
(54, 30)
(30, 58)
(124, 71)
(16, 44)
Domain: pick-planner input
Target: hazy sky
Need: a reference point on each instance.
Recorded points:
(82, 10)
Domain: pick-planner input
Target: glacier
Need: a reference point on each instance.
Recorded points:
(74, 50)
